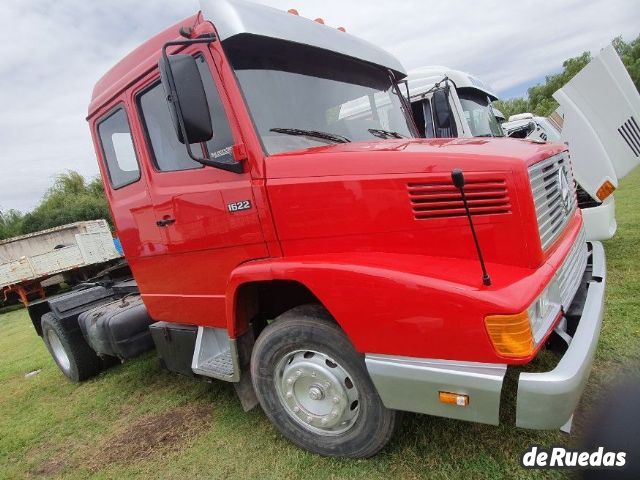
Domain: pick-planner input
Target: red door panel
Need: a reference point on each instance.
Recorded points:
(203, 240)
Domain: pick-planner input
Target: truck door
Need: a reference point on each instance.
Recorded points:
(601, 108)
(125, 186)
(207, 216)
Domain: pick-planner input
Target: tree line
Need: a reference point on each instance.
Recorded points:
(71, 198)
(539, 99)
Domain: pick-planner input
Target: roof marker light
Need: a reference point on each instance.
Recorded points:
(293, 11)
(342, 29)
(319, 20)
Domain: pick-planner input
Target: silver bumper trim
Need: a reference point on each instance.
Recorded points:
(412, 384)
(544, 401)
(547, 400)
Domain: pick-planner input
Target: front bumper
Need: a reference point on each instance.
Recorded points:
(600, 222)
(547, 400)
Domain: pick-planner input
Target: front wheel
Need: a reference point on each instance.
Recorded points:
(315, 388)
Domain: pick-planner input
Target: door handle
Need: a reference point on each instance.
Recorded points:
(165, 221)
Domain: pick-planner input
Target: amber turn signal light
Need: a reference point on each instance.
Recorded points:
(454, 398)
(510, 334)
(605, 190)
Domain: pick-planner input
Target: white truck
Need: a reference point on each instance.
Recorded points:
(27, 261)
(451, 103)
(598, 118)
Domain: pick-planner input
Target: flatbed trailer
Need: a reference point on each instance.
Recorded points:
(74, 251)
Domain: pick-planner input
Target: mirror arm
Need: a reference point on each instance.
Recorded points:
(235, 167)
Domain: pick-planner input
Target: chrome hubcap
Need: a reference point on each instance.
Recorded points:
(58, 351)
(317, 392)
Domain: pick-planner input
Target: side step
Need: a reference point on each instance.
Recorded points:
(216, 355)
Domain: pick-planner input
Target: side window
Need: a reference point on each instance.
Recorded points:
(220, 146)
(168, 153)
(118, 150)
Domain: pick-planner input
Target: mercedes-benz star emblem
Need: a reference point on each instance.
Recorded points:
(565, 190)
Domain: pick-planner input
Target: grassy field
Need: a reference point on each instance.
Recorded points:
(136, 420)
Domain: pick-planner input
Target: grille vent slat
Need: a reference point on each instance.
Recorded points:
(553, 209)
(630, 133)
(442, 200)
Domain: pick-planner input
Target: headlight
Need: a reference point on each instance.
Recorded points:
(516, 336)
(543, 311)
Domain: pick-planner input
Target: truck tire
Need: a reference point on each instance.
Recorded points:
(69, 350)
(314, 386)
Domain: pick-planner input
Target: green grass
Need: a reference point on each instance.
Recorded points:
(119, 424)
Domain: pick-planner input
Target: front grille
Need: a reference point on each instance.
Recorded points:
(443, 200)
(570, 273)
(630, 133)
(554, 196)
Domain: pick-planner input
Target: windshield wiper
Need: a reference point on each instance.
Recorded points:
(311, 133)
(376, 132)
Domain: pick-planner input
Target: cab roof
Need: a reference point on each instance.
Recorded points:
(236, 17)
(424, 78)
(232, 18)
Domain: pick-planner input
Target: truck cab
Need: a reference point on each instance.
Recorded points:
(288, 231)
(434, 90)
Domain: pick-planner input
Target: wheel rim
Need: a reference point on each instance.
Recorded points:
(317, 392)
(58, 351)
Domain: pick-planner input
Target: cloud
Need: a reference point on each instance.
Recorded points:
(52, 53)
(504, 42)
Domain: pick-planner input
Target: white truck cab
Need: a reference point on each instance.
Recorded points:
(598, 118)
(434, 90)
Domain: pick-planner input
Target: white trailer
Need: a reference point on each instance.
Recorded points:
(27, 260)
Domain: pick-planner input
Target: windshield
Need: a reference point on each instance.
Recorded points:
(479, 114)
(301, 97)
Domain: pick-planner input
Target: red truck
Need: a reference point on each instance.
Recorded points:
(315, 253)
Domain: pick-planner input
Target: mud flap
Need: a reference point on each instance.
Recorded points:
(245, 392)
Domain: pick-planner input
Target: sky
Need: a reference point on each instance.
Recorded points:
(53, 51)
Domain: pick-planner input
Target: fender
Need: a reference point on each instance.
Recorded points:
(444, 319)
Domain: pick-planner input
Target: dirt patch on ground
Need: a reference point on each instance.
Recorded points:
(136, 438)
(50, 468)
(152, 434)
(48, 460)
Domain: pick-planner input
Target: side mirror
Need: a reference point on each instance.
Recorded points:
(187, 99)
(441, 109)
